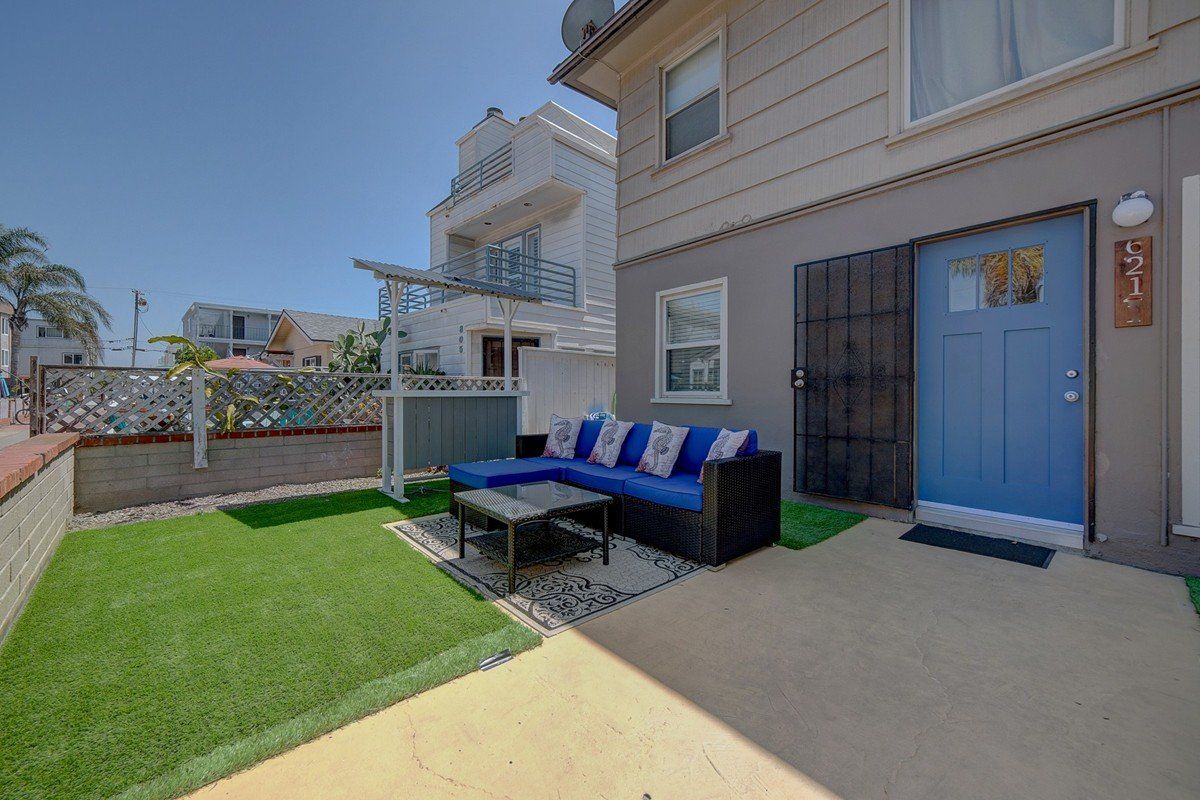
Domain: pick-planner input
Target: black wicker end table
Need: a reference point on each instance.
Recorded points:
(528, 512)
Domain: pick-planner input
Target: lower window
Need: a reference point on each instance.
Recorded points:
(73, 359)
(691, 342)
(420, 360)
(311, 361)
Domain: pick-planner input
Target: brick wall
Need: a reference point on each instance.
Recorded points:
(36, 498)
(133, 470)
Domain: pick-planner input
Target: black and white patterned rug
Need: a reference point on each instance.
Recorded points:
(556, 595)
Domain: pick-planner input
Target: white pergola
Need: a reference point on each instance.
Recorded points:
(398, 280)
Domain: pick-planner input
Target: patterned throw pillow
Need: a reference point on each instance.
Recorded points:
(563, 435)
(661, 451)
(608, 445)
(727, 445)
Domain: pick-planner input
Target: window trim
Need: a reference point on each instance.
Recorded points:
(315, 359)
(675, 59)
(73, 356)
(661, 393)
(1133, 42)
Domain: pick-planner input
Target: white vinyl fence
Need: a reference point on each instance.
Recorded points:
(566, 383)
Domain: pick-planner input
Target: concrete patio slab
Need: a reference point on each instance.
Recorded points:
(863, 667)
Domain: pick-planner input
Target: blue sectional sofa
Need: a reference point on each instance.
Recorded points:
(735, 510)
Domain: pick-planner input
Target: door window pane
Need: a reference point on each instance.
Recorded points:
(694, 369)
(1028, 274)
(993, 288)
(964, 284)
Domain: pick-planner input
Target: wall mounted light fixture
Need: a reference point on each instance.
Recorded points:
(1133, 209)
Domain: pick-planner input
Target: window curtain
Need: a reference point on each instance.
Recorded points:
(961, 49)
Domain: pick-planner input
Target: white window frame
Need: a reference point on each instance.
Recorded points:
(75, 359)
(1121, 27)
(44, 332)
(661, 394)
(408, 357)
(674, 60)
(310, 361)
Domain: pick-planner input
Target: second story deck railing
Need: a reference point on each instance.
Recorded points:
(223, 330)
(547, 280)
(487, 170)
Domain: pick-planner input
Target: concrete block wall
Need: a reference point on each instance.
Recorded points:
(36, 500)
(152, 469)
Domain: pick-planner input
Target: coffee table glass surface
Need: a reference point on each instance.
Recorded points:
(528, 511)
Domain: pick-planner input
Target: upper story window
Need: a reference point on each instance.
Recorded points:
(47, 332)
(962, 50)
(691, 99)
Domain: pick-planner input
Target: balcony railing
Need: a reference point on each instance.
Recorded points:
(547, 280)
(219, 330)
(482, 173)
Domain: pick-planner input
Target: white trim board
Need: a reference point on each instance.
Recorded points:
(1189, 348)
(1009, 526)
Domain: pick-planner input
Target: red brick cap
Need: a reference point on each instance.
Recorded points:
(21, 461)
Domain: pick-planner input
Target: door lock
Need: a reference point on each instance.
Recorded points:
(1071, 397)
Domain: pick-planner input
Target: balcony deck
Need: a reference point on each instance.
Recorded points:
(549, 281)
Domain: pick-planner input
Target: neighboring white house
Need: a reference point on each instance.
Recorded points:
(533, 206)
(51, 347)
(5, 336)
(229, 330)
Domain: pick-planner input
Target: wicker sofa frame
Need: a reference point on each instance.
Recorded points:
(739, 514)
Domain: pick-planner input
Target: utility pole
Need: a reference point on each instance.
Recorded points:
(139, 302)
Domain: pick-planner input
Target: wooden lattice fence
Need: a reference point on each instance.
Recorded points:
(119, 401)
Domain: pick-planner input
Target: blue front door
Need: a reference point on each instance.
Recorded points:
(1000, 381)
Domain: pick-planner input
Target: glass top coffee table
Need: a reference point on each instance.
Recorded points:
(528, 512)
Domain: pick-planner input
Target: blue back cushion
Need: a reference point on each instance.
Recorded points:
(691, 457)
(695, 448)
(589, 432)
(635, 444)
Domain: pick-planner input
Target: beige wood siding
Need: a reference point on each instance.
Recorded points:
(811, 111)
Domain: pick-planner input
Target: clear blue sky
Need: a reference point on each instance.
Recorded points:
(243, 151)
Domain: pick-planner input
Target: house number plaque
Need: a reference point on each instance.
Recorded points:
(1134, 288)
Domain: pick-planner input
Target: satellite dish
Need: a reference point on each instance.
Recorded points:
(582, 19)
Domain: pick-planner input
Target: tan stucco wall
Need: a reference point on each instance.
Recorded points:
(1099, 164)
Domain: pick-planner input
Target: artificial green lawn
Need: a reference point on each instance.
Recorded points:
(804, 525)
(156, 657)
(1193, 585)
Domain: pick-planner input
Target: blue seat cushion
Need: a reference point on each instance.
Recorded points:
(506, 472)
(610, 480)
(679, 491)
(557, 464)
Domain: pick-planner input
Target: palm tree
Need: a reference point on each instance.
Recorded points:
(29, 282)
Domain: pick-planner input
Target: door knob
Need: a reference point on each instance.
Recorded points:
(1071, 397)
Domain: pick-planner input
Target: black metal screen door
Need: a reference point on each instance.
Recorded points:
(853, 365)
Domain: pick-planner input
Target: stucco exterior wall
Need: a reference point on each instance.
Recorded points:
(1096, 163)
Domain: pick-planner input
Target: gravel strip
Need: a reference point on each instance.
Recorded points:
(215, 502)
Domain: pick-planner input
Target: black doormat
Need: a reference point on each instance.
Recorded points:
(1031, 554)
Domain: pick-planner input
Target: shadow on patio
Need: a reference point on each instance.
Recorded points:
(864, 667)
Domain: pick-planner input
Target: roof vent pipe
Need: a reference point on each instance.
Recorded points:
(494, 112)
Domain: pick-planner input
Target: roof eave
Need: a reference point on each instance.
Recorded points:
(613, 26)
